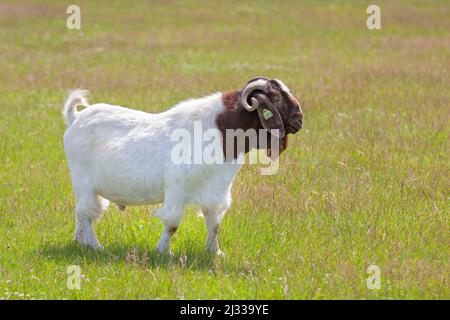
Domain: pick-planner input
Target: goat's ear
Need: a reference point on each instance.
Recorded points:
(269, 116)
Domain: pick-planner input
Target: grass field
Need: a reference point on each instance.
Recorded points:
(366, 182)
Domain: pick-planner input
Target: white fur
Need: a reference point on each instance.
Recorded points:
(123, 155)
(283, 86)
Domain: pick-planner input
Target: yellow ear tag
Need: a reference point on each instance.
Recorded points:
(267, 114)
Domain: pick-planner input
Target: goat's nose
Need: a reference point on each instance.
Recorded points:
(295, 125)
(299, 122)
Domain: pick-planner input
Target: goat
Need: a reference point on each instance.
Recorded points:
(120, 155)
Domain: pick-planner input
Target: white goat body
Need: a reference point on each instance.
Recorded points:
(123, 155)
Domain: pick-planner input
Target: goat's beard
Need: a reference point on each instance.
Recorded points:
(282, 146)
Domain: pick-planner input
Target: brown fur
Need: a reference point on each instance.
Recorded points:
(236, 117)
(172, 230)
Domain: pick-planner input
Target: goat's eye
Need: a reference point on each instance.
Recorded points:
(276, 99)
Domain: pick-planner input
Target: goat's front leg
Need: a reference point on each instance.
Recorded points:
(212, 220)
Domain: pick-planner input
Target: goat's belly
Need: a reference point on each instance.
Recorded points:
(130, 199)
(130, 191)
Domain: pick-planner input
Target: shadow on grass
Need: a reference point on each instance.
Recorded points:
(139, 257)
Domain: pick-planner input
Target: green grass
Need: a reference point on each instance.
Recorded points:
(365, 182)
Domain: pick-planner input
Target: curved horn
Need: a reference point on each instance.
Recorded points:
(249, 88)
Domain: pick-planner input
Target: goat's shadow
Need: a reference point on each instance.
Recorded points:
(139, 257)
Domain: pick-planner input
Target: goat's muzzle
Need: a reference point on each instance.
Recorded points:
(294, 125)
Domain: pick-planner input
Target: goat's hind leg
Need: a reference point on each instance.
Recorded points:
(88, 208)
(171, 215)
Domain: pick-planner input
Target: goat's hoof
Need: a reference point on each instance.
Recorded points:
(163, 250)
(217, 253)
(121, 207)
(96, 247)
(200, 214)
(168, 253)
(93, 246)
(220, 253)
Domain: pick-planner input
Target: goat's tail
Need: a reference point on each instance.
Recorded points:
(76, 98)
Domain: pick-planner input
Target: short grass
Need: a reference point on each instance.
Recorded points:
(365, 182)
